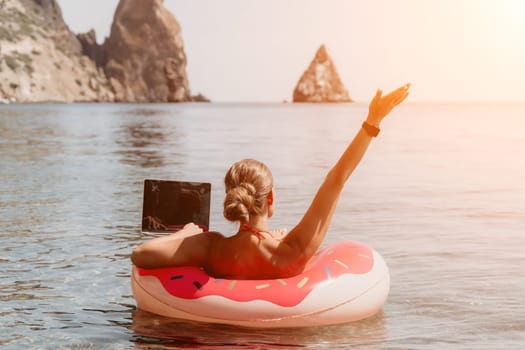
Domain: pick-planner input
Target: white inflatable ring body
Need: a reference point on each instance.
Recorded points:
(345, 282)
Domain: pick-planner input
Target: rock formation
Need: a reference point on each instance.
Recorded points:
(199, 98)
(41, 59)
(321, 82)
(143, 57)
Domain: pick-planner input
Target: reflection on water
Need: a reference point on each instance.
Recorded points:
(153, 331)
(444, 206)
(140, 143)
(144, 139)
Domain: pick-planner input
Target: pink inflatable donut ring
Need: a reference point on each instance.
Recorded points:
(344, 282)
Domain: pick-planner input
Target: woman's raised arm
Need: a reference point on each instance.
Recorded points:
(304, 240)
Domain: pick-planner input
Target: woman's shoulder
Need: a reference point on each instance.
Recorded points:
(213, 234)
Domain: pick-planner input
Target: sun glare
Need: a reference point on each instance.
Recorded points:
(513, 10)
(509, 14)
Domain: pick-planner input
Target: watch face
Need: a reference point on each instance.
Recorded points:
(169, 205)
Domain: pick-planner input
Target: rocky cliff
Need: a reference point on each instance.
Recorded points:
(41, 60)
(320, 82)
(143, 57)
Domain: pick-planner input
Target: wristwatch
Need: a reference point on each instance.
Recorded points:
(370, 129)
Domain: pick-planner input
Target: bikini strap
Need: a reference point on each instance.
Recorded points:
(255, 231)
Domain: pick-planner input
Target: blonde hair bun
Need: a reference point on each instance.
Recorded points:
(247, 184)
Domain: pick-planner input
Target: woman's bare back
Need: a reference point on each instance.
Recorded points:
(245, 256)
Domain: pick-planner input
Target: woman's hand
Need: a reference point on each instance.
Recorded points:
(279, 233)
(191, 229)
(380, 105)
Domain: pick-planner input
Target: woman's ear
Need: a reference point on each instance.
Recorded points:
(270, 202)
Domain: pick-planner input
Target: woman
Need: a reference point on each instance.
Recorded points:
(255, 252)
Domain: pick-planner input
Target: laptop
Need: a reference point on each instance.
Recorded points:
(169, 205)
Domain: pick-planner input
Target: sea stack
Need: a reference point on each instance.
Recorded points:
(320, 82)
(143, 58)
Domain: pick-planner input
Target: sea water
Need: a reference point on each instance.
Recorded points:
(440, 194)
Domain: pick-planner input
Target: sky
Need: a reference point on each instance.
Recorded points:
(257, 50)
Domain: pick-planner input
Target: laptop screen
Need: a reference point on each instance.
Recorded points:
(169, 205)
